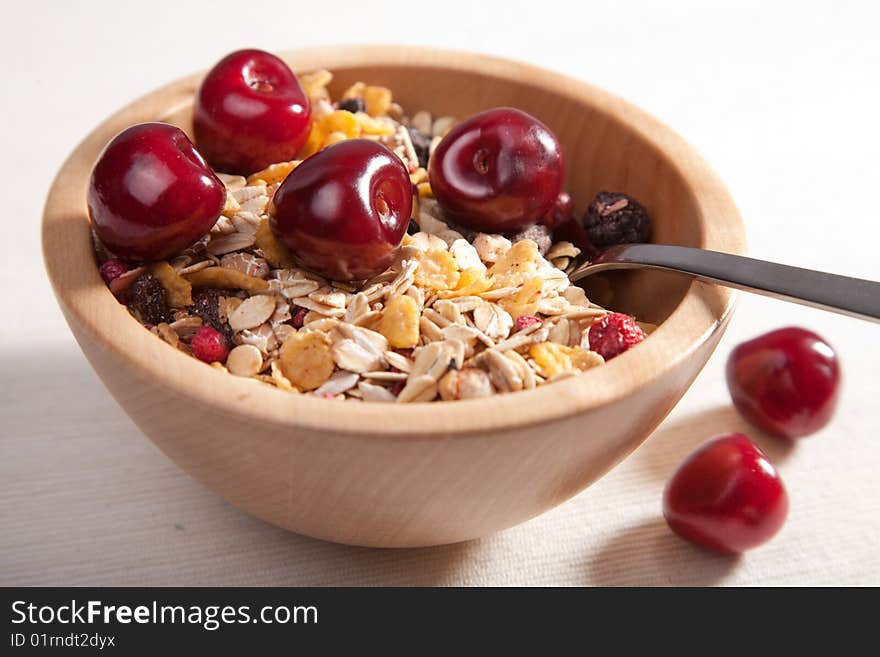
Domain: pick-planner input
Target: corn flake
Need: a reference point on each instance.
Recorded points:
(377, 100)
(437, 270)
(178, 290)
(400, 322)
(516, 266)
(555, 358)
(274, 173)
(471, 282)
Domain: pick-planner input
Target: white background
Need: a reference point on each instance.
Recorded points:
(782, 99)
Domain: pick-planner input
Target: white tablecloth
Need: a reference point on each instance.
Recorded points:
(783, 105)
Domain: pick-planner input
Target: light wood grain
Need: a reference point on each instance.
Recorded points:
(415, 475)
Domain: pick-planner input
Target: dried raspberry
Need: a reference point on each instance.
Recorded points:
(614, 334)
(206, 304)
(406, 353)
(526, 320)
(614, 218)
(113, 269)
(298, 318)
(397, 387)
(147, 297)
(209, 345)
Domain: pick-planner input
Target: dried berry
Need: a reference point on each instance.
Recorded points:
(298, 318)
(615, 218)
(113, 269)
(524, 321)
(538, 233)
(422, 145)
(353, 105)
(209, 345)
(614, 334)
(206, 304)
(146, 296)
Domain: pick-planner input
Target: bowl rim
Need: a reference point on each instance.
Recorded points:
(87, 302)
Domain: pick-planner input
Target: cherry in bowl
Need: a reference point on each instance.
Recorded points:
(343, 212)
(726, 496)
(250, 112)
(499, 171)
(785, 382)
(151, 194)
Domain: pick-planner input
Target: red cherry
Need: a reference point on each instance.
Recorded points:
(151, 194)
(250, 112)
(343, 211)
(785, 382)
(726, 496)
(499, 171)
(560, 212)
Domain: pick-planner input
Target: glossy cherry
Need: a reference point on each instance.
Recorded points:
(343, 211)
(726, 496)
(151, 194)
(499, 171)
(785, 382)
(250, 112)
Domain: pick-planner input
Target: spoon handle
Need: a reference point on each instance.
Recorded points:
(855, 297)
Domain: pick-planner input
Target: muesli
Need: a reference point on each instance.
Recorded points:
(459, 313)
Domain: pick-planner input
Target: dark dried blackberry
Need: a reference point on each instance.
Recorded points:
(352, 105)
(206, 304)
(146, 296)
(615, 218)
(538, 233)
(422, 145)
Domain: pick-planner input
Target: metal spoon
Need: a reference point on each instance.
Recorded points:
(855, 297)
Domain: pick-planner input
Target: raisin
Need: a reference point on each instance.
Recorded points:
(422, 145)
(206, 304)
(352, 105)
(146, 297)
(614, 218)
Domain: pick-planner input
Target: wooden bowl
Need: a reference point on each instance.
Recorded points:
(419, 474)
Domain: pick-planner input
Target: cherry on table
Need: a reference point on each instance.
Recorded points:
(151, 194)
(499, 171)
(343, 212)
(250, 112)
(785, 382)
(726, 496)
